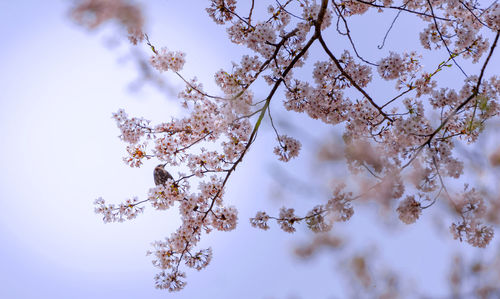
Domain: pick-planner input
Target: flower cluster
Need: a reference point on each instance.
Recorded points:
(326, 100)
(124, 211)
(287, 219)
(165, 60)
(316, 220)
(163, 197)
(221, 11)
(260, 220)
(391, 67)
(409, 210)
(288, 148)
(352, 7)
(404, 69)
(279, 17)
(472, 210)
(310, 13)
(132, 129)
(137, 153)
(93, 13)
(492, 17)
(340, 204)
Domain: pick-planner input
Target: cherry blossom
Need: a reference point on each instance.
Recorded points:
(409, 210)
(399, 142)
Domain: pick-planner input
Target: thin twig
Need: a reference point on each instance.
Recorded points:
(452, 54)
(349, 36)
(389, 30)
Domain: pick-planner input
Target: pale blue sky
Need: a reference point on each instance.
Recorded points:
(59, 151)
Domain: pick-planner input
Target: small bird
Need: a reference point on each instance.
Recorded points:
(161, 175)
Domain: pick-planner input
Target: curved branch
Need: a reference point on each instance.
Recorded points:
(346, 75)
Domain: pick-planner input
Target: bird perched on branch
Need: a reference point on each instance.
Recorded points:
(161, 175)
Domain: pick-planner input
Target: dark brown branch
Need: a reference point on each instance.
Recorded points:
(337, 63)
(402, 9)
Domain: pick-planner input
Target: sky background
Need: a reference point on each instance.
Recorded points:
(60, 150)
